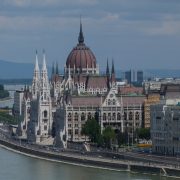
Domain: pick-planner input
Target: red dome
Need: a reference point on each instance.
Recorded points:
(80, 57)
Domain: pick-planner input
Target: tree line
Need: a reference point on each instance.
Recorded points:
(109, 136)
(8, 119)
(3, 93)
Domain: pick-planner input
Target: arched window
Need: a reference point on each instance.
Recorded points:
(104, 116)
(114, 116)
(137, 115)
(96, 115)
(109, 116)
(89, 115)
(28, 110)
(83, 117)
(130, 115)
(69, 117)
(76, 116)
(109, 102)
(125, 116)
(45, 114)
(118, 116)
(114, 102)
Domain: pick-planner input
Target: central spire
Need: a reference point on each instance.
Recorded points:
(81, 37)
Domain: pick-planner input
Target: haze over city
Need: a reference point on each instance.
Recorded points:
(136, 34)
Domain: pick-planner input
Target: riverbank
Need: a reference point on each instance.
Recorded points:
(6, 99)
(103, 163)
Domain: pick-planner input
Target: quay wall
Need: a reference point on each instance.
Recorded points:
(62, 157)
(83, 160)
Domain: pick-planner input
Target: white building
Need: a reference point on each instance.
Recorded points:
(165, 121)
(60, 108)
(37, 122)
(18, 100)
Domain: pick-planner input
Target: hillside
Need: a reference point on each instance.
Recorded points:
(12, 70)
(9, 70)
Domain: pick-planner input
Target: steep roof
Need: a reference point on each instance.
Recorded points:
(132, 100)
(97, 82)
(86, 101)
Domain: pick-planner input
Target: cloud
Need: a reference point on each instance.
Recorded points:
(46, 3)
(112, 23)
(28, 23)
(168, 25)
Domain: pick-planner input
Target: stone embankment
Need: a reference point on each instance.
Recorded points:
(91, 161)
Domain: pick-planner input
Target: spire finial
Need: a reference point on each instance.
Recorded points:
(107, 68)
(53, 69)
(57, 69)
(44, 61)
(36, 64)
(81, 37)
(112, 70)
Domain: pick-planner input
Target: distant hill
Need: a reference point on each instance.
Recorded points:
(13, 70)
(162, 73)
(152, 73)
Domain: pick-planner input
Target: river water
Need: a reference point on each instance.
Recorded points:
(9, 102)
(14, 166)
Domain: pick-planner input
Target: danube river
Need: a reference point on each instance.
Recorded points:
(15, 166)
(9, 102)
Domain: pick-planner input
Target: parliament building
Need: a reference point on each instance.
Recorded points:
(55, 110)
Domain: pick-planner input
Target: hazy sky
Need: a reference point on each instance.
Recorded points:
(137, 34)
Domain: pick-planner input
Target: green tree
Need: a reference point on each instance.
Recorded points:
(1, 87)
(3, 93)
(8, 119)
(144, 133)
(92, 129)
(108, 136)
(120, 137)
(53, 131)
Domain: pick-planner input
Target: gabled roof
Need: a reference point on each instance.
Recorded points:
(86, 101)
(132, 100)
(96, 82)
(57, 78)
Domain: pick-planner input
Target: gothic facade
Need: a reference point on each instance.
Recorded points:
(61, 107)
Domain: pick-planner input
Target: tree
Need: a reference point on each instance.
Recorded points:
(108, 136)
(144, 133)
(1, 87)
(120, 137)
(3, 93)
(92, 129)
(53, 131)
(8, 119)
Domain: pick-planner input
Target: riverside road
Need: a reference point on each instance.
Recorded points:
(135, 158)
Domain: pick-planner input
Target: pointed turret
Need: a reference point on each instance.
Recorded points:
(113, 79)
(81, 37)
(36, 78)
(53, 71)
(112, 70)
(36, 63)
(107, 68)
(108, 75)
(57, 69)
(44, 61)
(44, 88)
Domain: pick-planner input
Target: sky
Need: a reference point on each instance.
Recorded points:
(137, 34)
